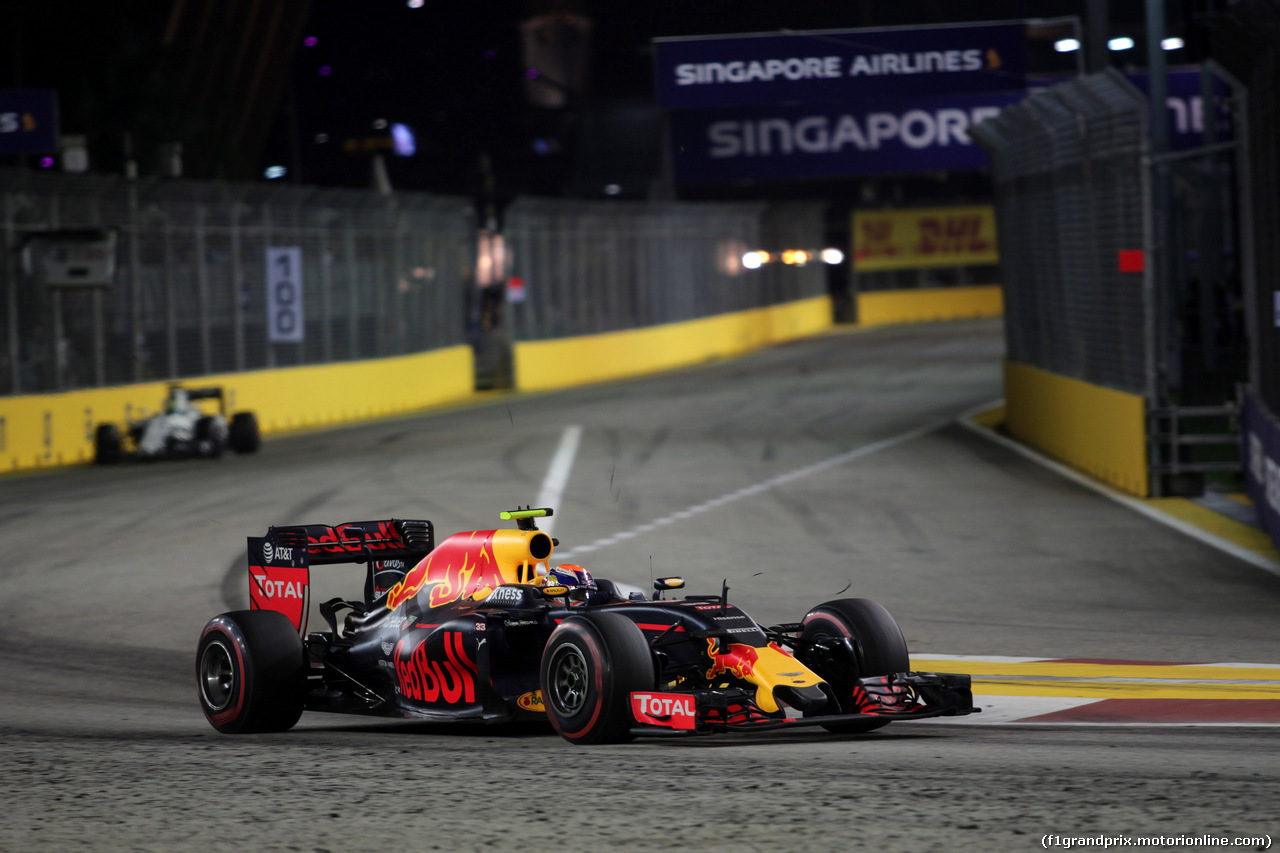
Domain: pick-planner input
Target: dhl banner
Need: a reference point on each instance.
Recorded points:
(924, 237)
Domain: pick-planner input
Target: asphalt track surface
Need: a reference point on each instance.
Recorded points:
(793, 473)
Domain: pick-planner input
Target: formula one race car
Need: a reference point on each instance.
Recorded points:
(182, 429)
(483, 628)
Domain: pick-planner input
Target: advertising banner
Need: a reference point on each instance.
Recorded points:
(867, 138)
(1260, 458)
(28, 121)
(834, 66)
(924, 237)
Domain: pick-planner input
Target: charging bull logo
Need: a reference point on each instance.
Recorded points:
(462, 564)
(739, 661)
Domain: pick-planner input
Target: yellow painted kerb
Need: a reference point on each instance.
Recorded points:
(1098, 430)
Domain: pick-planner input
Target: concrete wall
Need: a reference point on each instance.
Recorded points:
(42, 430)
(881, 307)
(564, 362)
(1098, 430)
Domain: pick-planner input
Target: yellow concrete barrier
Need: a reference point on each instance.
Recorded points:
(42, 430)
(564, 362)
(1098, 430)
(881, 307)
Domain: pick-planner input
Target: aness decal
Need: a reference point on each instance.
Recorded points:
(422, 679)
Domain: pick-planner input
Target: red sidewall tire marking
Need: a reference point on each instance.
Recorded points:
(233, 711)
(591, 646)
(834, 622)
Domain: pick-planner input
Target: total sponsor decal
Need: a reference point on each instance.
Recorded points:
(669, 710)
(278, 589)
(422, 678)
(284, 589)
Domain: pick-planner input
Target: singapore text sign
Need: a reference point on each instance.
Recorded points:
(866, 138)
(835, 66)
(28, 121)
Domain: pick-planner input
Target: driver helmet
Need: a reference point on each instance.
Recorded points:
(177, 401)
(571, 576)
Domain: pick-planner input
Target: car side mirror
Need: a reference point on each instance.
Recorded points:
(661, 585)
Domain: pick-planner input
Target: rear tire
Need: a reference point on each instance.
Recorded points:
(209, 437)
(590, 666)
(244, 434)
(879, 640)
(251, 672)
(106, 445)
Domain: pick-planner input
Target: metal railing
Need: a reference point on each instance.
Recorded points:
(1071, 195)
(381, 275)
(590, 267)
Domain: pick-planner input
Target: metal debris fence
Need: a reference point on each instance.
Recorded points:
(381, 275)
(1071, 193)
(590, 267)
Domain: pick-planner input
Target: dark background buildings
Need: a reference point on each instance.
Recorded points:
(315, 86)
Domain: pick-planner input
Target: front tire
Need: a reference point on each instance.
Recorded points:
(882, 650)
(244, 435)
(251, 672)
(590, 666)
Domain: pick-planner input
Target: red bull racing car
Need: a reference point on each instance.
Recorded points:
(482, 627)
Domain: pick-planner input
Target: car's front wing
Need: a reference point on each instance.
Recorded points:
(903, 696)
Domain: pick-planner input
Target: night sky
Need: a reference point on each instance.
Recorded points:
(454, 72)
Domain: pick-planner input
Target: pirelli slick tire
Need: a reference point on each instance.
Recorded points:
(107, 449)
(590, 666)
(243, 434)
(880, 648)
(251, 672)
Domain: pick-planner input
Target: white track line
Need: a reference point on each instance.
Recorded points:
(1134, 504)
(757, 488)
(558, 475)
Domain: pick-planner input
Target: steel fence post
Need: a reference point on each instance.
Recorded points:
(135, 284)
(237, 284)
(170, 307)
(11, 293)
(202, 292)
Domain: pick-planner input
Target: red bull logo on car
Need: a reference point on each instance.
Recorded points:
(739, 661)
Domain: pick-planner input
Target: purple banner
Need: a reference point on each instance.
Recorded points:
(837, 65)
(1260, 457)
(28, 121)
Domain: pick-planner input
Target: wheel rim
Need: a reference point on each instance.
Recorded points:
(568, 672)
(217, 675)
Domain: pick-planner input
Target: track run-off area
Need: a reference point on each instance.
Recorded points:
(1128, 674)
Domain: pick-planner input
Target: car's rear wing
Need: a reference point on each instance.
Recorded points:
(279, 563)
(211, 393)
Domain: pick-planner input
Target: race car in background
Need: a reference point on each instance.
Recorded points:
(483, 628)
(181, 429)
